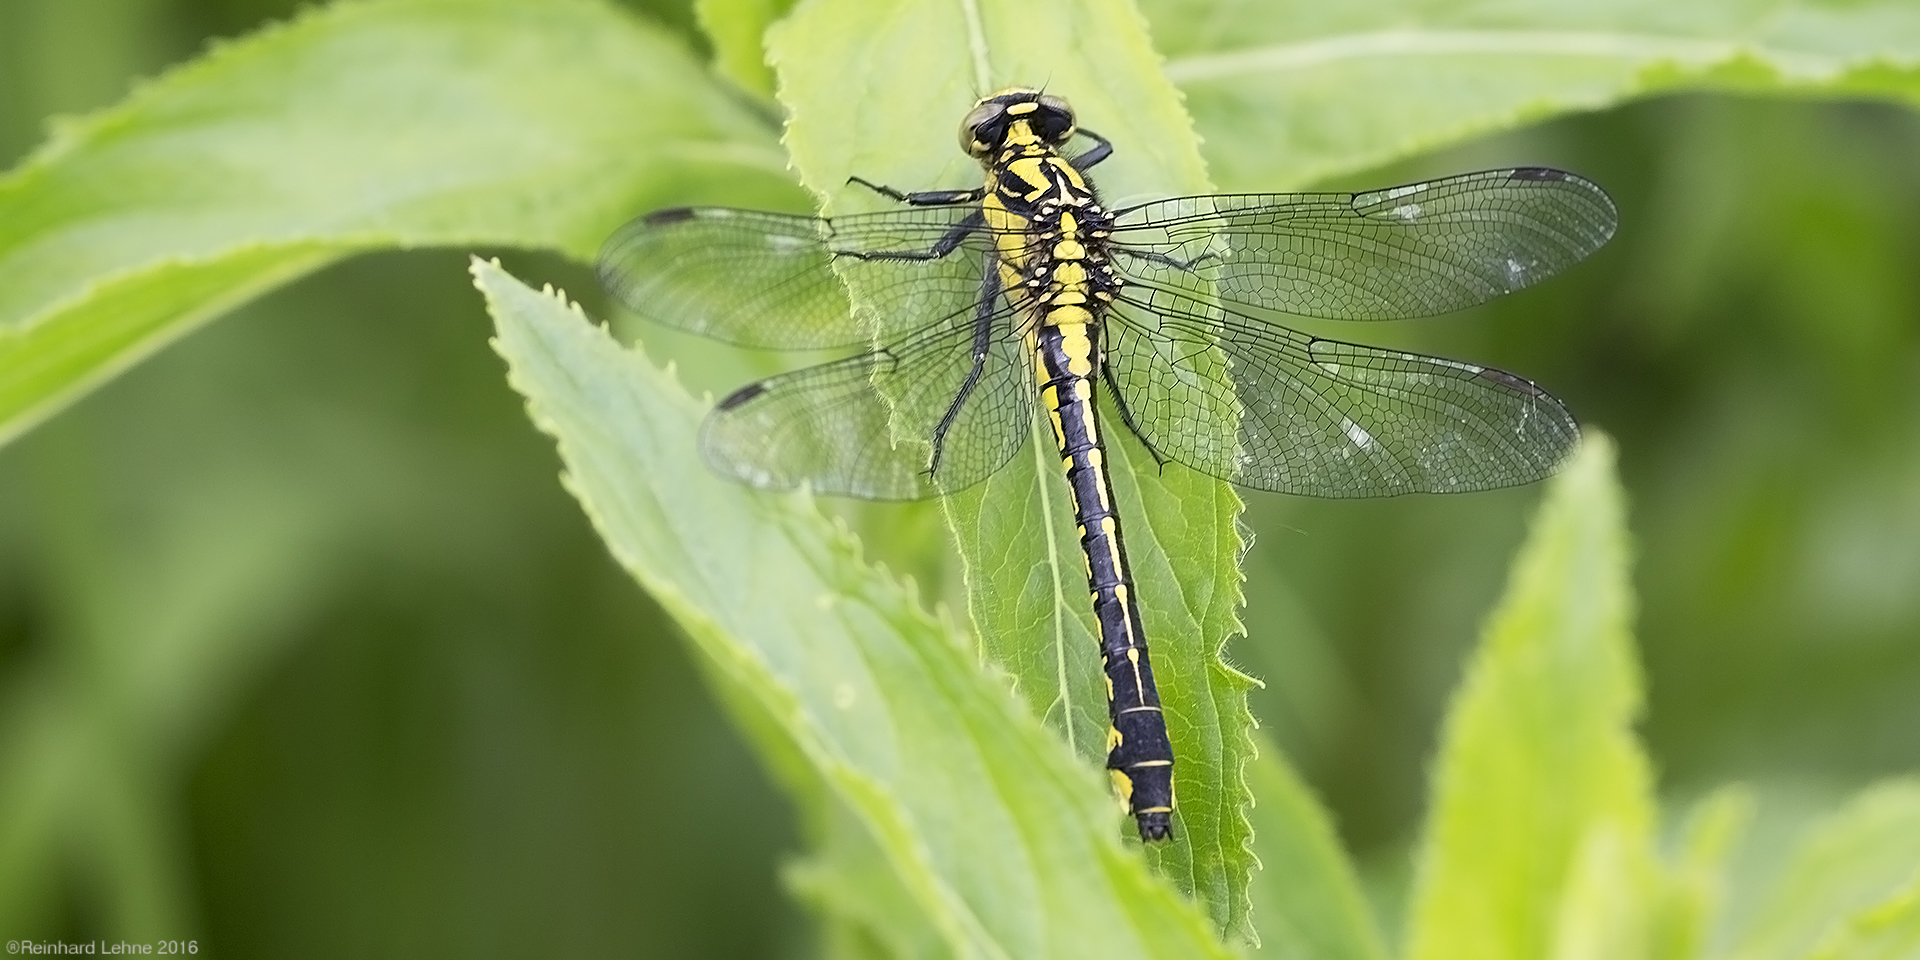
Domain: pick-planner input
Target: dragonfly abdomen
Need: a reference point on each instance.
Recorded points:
(1052, 244)
(1139, 753)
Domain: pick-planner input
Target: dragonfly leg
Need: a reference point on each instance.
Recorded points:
(983, 314)
(946, 244)
(924, 198)
(1102, 149)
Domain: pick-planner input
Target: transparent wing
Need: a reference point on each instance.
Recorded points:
(767, 280)
(1299, 414)
(828, 426)
(1409, 251)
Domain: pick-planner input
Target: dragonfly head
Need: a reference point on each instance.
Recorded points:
(1014, 116)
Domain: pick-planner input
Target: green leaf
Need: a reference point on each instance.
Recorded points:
(1889, 930)
(1850, 881)
(861, 905)
(852, 114)
(1696, 881)
(357, 127)
(1286, 94)
(1539, 837)
(995, 834)
(1305, 897)
(737, 29)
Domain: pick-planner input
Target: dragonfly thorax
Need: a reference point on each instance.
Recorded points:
(1051, 233)
(1055, 260)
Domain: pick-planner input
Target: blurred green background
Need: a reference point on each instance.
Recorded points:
(447, 725)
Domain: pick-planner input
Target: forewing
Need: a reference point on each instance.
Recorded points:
(768, 280)
(1410, 251)
(1304, 415)
(828, 426)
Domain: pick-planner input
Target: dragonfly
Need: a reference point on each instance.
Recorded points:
(972, 311)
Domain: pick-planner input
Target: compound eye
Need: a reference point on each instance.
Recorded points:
(1054, 120)
(983, 129)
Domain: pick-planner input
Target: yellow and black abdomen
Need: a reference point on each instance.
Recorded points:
(1139, 753)
(1051, 235)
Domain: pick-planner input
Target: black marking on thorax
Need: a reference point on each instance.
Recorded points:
(1062, 260)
